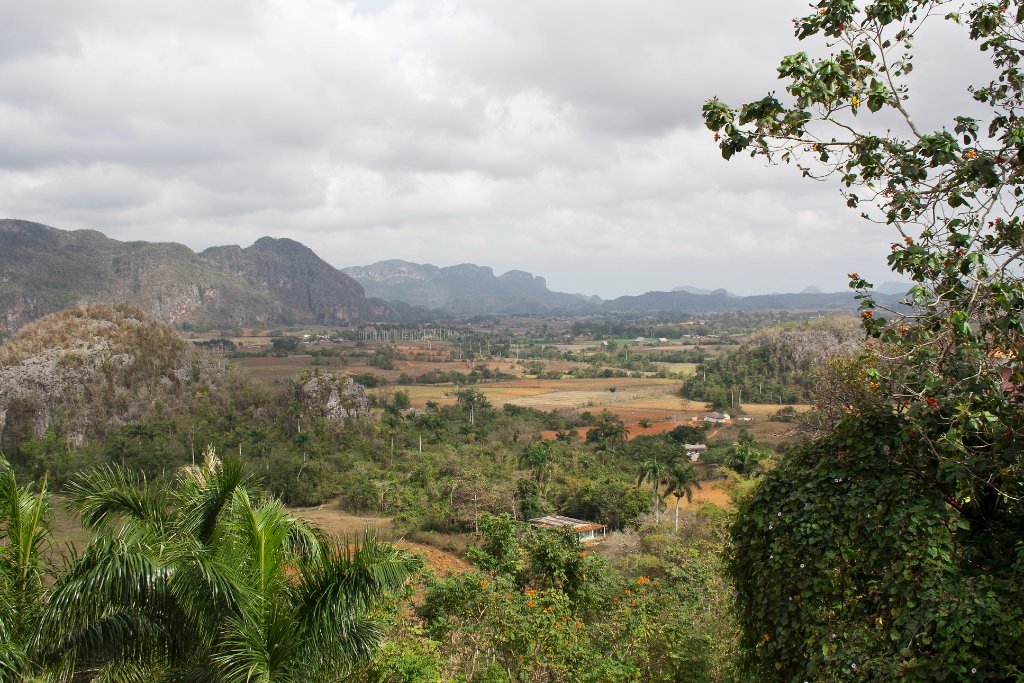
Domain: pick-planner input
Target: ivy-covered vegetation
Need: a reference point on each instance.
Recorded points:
(891, 548)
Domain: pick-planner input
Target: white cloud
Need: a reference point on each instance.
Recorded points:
(558, 137)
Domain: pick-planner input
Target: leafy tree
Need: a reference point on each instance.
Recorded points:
(500, 551)
(609, 431)
(687, 434)
(285, 344)
(930, 532)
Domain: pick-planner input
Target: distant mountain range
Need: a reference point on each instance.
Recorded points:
(466, 289)
(280, 281)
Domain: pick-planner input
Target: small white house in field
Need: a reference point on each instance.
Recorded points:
(695, 450)
(587, 531)
(717, 418)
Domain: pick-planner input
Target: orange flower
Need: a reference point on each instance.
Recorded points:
(970, 154)
(853, 275)
(530, 604)
(628, 592)
(908, 239)
(583, 554)
(867, 315)
(484, 582)
(642, 581)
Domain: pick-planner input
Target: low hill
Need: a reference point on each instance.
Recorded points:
(776, 364)
(83, 370)
(465, 289)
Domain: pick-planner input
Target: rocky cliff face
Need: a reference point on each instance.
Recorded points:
(293, 275)
(335, 398)
(44, 269)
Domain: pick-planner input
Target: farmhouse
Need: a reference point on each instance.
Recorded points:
(717, 418)
(695, 450)
(586, 530)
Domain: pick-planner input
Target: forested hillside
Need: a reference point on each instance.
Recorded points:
(774, 365)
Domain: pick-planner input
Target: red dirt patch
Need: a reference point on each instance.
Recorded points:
(443, 563)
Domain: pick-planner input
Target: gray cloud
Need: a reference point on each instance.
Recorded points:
(558, 137)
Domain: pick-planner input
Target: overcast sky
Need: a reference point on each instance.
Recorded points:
(561, 137)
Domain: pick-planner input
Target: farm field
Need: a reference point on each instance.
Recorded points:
(282, 368)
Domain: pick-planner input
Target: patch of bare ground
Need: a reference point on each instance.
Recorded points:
(339, 523)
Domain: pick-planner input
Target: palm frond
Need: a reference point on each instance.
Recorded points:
(258, 647)
(112, 494)
(353, 578)
(206, 586)
(204, 493)
(22, 522)
(329, 653)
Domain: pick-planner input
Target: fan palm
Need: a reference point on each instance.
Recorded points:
(200, 582)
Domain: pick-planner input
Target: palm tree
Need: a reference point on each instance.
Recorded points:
(22, 572)
(680, 480)
(200, 582)
(537, 456)
(653, 471)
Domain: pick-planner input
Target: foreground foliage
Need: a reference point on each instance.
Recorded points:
(894, 546)
(197, 582)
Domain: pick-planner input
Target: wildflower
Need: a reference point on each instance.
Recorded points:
(908, 239)
(483, 583)
(549, 609)
(583, 554)
(628, 592)
(970, 154)
(853, 275)
(873, 385)
(530, 604)
(801, 565)
(717, 136)
(974, 670)
(932, 402)
(867, 315)
(855, 100)
(853, 666)
(778, 514)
